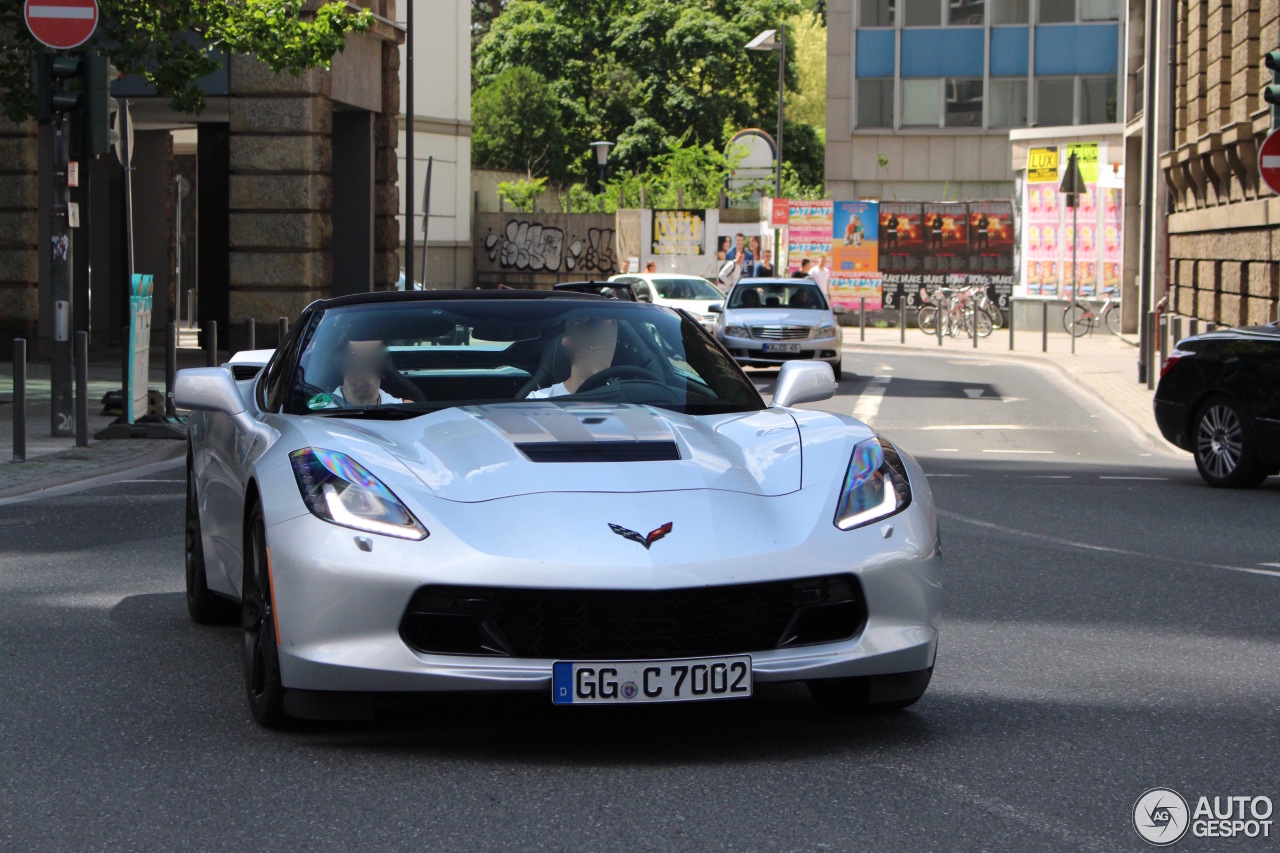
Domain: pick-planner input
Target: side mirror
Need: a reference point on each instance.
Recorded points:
(209, 389)
(839, 309)
(715, 308)
(804, 382)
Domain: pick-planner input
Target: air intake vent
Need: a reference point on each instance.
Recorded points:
(242, 372)
(600, 451)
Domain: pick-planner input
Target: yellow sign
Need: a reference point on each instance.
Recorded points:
(1087, 158)
(1042, 165)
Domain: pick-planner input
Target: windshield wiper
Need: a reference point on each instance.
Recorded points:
(373, 413)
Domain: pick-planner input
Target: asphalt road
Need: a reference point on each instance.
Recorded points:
(1111, 625)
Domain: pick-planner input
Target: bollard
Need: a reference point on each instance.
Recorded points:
(1210, 327)
(1177, 330)
(126, 358)
(170, 367)
(211, 343)
(82, 389)
(862, 318)
(250, 334)
(937, 325)
(1163, 340)
(1044, 326)
(1194, 326)
(1011, 312)
(19, 400)
(282, 329)
(902, 321)
(1152, 369)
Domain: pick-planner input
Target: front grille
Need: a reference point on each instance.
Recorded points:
(780, 333)
(565, 624)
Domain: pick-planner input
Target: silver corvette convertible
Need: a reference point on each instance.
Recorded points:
(430, 492)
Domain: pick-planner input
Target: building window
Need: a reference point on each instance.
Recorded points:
(921, 103)
(1057, 12)
(964, 102)
(875, 102)
(1055, 101)
(1097, 100)
(965, 13)
(876, 13)
(1010, 11)
(1007, 103)
(1099, 10)
(922, 13)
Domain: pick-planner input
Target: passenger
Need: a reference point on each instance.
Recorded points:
(750, 298)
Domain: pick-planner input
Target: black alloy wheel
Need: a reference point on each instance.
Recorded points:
(261, 649)
(1225, 453)
(205, 606)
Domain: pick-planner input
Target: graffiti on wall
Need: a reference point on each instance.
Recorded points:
(524, 246)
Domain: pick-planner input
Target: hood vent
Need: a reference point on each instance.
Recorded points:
(600, 451)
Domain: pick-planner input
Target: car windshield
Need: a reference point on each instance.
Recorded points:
(687, 288)
(798, 293)
(401, 358)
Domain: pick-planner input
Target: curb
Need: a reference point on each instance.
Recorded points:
(166, 452)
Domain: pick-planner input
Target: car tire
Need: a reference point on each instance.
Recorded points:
(205, 606)
(1224, 448)
(258, 620)
(838, 369)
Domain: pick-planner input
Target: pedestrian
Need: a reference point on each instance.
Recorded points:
(803, 272)
(651, 266)
(820, 274)
(730, 272)
(764, 267)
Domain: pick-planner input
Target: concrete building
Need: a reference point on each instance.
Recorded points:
(442, 126)
(922, 94)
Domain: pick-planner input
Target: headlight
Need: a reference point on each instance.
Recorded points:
(827, 331)
(341, 491)
(875, 486)
(736, 331)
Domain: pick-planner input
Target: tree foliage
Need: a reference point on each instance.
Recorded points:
(639, 73)
(807, 39)
(516, 124)
(173, 44)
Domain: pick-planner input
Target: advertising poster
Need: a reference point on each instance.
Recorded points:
(854, 237)
(678, 232)
(901, 249)
(946, 238)
(1112, 237)
(1041, 237)
(731, 235)
(847, 289)
(809, 234)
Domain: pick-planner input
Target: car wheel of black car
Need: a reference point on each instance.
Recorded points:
(1224, 448)
(204, 605)
(261, 652)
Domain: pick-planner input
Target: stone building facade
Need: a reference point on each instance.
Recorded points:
(1223, 239)
(19, 226)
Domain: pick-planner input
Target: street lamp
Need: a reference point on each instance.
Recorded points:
(602, 158)
(775, 40)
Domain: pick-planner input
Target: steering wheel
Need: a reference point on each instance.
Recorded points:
(619, 371)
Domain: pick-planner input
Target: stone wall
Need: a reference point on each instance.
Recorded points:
(19, 225)
(1224, 234)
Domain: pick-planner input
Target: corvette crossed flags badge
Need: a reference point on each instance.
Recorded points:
(646, 541)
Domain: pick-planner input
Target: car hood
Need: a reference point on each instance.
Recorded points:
(474, 453)
(777, 316)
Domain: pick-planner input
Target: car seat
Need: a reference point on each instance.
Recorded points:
(773, 302)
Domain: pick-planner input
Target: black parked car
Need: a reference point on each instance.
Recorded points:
(1219, 398)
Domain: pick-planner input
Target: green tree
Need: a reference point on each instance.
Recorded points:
(173, 44)
(807, 38)
(518, 124)
(522, 194)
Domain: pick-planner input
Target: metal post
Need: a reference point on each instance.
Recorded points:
(282, 329)
(1011, 312)
(1150, 325)
(19, 400)
(938, 317)
(862, 318)
(126, 359)
(250, 334)
(1164, 342)
(211, 343)
(782, 85)
(1193, 327)
(1044, 326)
(1210, 327)
(1177, 330)
(410, 131)
(61, 408)
(902, 321)
(170, 367)
(82, 389)
(1075, 265)
(191, 307)
(975, 326)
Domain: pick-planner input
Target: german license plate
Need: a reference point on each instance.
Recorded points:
(637, 681)
(782, 348)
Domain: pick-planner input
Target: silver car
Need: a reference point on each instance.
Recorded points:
(768, 322)
(534, 491)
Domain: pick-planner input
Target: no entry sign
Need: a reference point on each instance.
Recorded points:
(1269, 161)
(61, 24)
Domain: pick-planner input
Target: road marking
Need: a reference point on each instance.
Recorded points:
(970, 427)
(152, 481)
(990, 450)
(934, 476)
(946, 450)
(1048, 476)
(1270, 565)
(1154, 479)
(868, 405)
(973, 393)
(1087, 546)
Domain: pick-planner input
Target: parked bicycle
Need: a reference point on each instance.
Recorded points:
(960, 310)
(1082, 320)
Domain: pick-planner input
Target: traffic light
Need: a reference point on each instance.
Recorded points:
(1271, 94)
(54, 74)
(100, 107)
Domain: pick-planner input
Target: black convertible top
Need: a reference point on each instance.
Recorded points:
(434, 295)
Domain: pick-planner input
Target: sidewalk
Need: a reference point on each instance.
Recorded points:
(55, 462)
(1103, 365)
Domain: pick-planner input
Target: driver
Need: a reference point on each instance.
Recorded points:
(590, 343)
(362, 364)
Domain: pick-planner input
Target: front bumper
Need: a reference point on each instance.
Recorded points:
(751, 352)
(1173, 421)
(339, 608)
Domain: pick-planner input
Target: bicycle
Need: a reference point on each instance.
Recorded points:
(962, 312)
(1084, 318)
